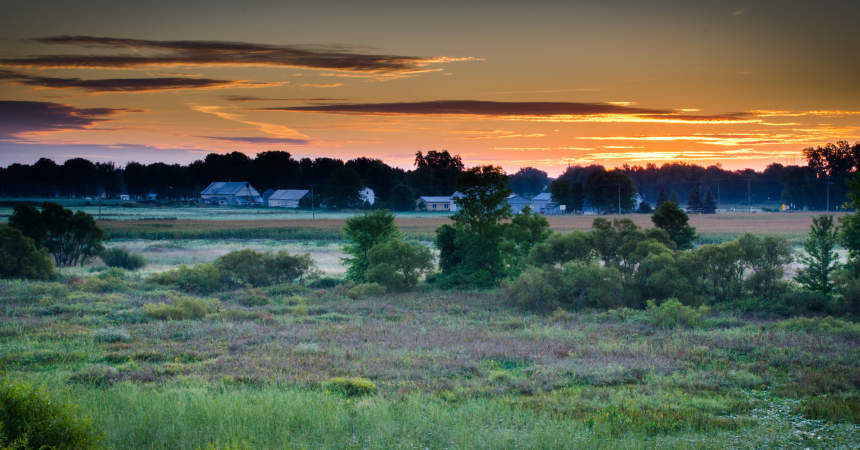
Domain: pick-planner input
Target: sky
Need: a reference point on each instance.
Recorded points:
(544, 84)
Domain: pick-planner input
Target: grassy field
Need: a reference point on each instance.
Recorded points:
(451, 369)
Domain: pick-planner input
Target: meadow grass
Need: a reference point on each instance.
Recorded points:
(449, 369)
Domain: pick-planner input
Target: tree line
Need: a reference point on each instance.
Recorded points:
(820, 182)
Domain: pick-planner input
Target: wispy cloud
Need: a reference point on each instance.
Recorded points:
(209, 53)
(105, 85)
(19, 118)
(272, 129)
(535, 111)
(251, 98)
(259, 140)
(322, 85)
(739, 12)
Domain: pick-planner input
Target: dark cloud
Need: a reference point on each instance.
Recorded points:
(115, 84)
(219, 53)
(251, 98)
(17, 117)
(259, 140)
(488, 108)
(476, 107)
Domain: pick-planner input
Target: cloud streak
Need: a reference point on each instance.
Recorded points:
(106, 85)
(540, 111)
(22, 117)
(143, 52)
(259, 140)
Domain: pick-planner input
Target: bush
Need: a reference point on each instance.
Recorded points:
(397, 264)
(19, 257)
(351, 387)
(95, 375)
(120, 257)
(181, 308)
(365, 290)
(28, 415)
(575, 284)
(201, 278)
(364, 232)
(560, 248)
(672, 313)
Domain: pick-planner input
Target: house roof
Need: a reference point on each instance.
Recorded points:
(288, 194)
(435, 199)
(224, 187)
(543, 197)
(514, 198)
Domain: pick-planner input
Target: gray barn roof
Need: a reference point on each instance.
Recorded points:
(224, 187)
(288, 194)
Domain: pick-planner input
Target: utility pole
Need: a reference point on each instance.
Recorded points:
(749, 196)
(619, 199)
(313, 208)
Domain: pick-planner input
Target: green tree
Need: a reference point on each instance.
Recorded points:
(72, 238)
(363, 232)
(525, 230)
(20, 258)
(661, 197)
(709, 206)
(675, 221)
(604, 190)
(341, 188)
(694, 202)
(470, 250)
(849, 228)
(397, 264)
(820, 258)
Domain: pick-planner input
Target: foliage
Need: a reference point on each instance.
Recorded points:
(120, 257)
(111, 335)
(351, 387)
(364, 290)
(203, 278)
(525, 230)
(644, 208)
(766, 257)
(19, 257)
(470, 250)
(672, 313)
(694, 203)
(181, 308)
(342, 188)
(528, 181)
(28, 415)
(606, 191)
(254, 269)
(709, 206)
(675, 221)
(72, 238)
(574, 285)
(560, 248)
(364, 232)
(397, 264)
(820, 258)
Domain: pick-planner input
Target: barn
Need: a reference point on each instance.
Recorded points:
(286, 198)
(230, 193)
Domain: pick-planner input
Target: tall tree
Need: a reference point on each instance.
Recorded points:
(675, 221)
(819, 256)
(694, 202)
(605, 190)
(528, 181)
(709, 206)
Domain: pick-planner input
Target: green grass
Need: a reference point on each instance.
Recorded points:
(282, 367)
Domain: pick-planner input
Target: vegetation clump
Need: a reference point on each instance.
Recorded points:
(72, 238)
(29, 418)
(181, 308)
(20, 258)
(351, 387)
(120, 257)
(672, 314)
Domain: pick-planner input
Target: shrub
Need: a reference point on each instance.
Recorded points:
(675, 221)
(250, 268)
(364, 232)
(560, 248)
(181, 308)
(120, 257)
(28, 415)
(397, 264)
(351, 387)
(96, 375)
(672, 313)
(71, 237)
(111, 335)
(325, 282)
(19, 257)
(574, 285)
(844, 407)
(253, 297)
(365, 290)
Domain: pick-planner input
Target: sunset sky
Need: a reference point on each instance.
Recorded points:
(544, 84)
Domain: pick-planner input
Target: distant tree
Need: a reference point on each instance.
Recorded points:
(644, 208)
(397, 264)
(694, 203)
(72, 238)
(577, 196)
(528, 181)
(849, 227)
(435, 173)
(602, 191)
(820, 258)
(363, 233)
(560, 191)
(342, 187)
(675, 221)
(674, 198)
(402, 198)
(661, 197)
(834, 163)
(524, 231)
(709, 206)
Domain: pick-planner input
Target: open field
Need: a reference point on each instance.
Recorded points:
(452, 369)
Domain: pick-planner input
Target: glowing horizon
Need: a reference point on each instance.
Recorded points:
(541, 85)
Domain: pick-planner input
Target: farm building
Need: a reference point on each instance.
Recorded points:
(230, 193)
(543, 204)
(286, 198)
(436, 203)
(367, 196)
(518, 203)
